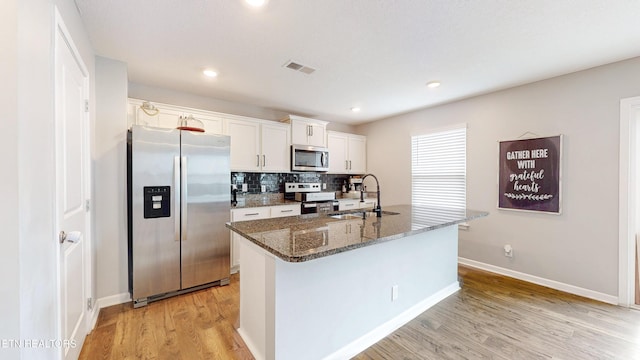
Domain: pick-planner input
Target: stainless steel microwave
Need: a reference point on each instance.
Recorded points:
(309, 158)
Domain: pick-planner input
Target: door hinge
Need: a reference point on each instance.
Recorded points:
(87, 205)
(86, 106)
(89, 304)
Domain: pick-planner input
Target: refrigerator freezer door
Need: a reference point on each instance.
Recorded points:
(154, 185)
(205, 239)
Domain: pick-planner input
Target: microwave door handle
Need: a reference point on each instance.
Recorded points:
(322, 160)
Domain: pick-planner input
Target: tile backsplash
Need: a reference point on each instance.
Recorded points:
(274, 182)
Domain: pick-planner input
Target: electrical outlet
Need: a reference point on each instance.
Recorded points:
(245, 188)
(508, 251)
(394, 293)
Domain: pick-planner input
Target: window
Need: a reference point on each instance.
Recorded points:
(438, 169)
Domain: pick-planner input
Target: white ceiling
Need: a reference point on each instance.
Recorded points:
(374, 54)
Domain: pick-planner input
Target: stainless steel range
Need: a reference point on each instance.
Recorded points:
(312, 198)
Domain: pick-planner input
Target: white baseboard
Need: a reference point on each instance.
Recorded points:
(252, 347)
(571, 289)
(392, 325)
(106, 302)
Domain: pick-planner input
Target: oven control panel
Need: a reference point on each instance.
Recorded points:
(302, 187)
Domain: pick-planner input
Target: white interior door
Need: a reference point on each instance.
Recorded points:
(72, 192)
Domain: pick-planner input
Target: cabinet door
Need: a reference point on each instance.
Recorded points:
(299, 132)
(357, 154)
(318, 135)
(245, 145)
(338, 163)
(304, 132)
(164, 118)
(212, 125)
(275, 148)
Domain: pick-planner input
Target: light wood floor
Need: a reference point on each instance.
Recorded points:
(492, 317)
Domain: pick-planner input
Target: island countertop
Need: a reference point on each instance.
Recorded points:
(311, 236)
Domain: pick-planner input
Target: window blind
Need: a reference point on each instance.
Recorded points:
(438, 169)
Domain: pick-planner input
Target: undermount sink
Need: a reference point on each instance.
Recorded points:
(358, 214)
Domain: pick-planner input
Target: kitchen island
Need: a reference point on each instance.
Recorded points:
(327, 286)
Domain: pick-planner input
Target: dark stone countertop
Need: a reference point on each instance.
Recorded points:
(311, 236)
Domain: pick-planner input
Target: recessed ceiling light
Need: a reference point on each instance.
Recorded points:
(433, 84)
(210, 73)
(256, 3)
(355, 109)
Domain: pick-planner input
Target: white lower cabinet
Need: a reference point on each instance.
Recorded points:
(368, 203)
(285, 210)
(244, 214)
(348, 204)
(256, 213)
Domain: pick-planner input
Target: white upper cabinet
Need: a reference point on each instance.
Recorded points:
(245, 145)
(337, 144)
(305, 131)
(259, 146)
(169, 116)
(276, 150)
(256, 145)
(357, 154)
(347, 153)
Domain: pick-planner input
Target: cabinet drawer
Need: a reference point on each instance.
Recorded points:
(368, 204)
(254, 213)
(285, 210)
(348, 204)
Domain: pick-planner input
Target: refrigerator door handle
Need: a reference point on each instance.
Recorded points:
(176, 197)
(183, 200)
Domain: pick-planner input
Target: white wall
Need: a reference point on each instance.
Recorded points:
(110, 179)
(578, 247)
(28, 299)
(9, 217)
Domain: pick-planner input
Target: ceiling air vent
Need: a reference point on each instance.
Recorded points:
(299, 67)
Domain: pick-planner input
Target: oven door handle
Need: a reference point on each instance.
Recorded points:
(310, 205)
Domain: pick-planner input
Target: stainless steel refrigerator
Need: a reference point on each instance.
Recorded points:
(179, 201)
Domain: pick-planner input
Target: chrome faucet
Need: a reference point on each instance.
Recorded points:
(377, 209)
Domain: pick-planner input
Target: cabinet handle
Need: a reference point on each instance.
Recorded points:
(346, 164)
(258, 160)
(284, 211)
(350, 167)
(264, 160)
(252, 214)
(348, 205)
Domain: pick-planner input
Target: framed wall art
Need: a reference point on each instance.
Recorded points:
(529, 174)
